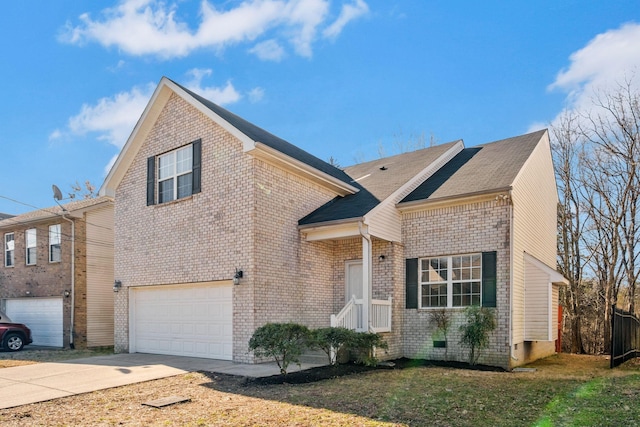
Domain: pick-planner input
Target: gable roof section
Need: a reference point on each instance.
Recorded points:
(480, 169)
(377, 180)
(72, 209)
(254, 139)
(258, 134)
(4, 216)
(384, 176)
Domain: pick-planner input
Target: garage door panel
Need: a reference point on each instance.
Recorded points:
(184, 320)
(42, 315)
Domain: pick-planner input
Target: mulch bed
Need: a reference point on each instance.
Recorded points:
(327, 372)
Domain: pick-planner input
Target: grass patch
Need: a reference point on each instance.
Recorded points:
(565, 390)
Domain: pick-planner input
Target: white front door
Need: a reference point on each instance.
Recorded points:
(353, 276)
(353, 279)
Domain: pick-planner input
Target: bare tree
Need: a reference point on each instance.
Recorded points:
(613, 130)
(80, 191)
(566, 147)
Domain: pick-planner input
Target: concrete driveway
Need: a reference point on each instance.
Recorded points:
(22, 385)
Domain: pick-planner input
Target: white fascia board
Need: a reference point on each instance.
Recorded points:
(335, 231)
(149, 116)
(554, 276)
(295, 166)
(382, 212)
(265, 152)
(501, 194)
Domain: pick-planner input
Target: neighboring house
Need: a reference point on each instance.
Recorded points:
(205, 199)
(4, 216)
(66, 300)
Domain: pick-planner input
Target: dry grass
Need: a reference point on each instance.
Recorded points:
(31, 355)
(552, 395)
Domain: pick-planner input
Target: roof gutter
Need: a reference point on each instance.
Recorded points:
(270, 154)
(462, 198)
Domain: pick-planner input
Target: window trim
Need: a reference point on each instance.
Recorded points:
(449, 282)
(153, 174)
(7, 250)
(34, 246)
(59, 242)
(174, 175)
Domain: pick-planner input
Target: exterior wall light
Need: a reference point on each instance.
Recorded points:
(117, 284)
(237, 276)
(67, 294)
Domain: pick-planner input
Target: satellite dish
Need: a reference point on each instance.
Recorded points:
(57, 194)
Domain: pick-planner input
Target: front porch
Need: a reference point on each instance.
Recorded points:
(367, 277)
(351, 316)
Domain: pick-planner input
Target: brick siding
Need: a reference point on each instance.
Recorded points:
(472, 228)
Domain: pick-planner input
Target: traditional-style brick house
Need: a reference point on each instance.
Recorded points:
(221, 227)
(66, 300)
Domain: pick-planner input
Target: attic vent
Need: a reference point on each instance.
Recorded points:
(383, 168)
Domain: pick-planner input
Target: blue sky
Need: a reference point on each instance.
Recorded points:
(348, 79)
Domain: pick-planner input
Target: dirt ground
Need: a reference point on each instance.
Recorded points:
(297, 399)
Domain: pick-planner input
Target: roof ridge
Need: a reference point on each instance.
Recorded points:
(258, 134)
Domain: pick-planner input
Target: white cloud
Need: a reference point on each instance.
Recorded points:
(268, 50)
(152, 27)
(220, 95)
(112, 118)
(608, 59)
(349, 13)
(256, 94)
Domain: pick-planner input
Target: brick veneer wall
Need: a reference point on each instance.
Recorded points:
(45, 279)
(463, 229)
(245, 217)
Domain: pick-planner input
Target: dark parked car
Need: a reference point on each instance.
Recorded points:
(13, 336)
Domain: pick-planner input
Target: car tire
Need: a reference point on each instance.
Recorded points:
(13, 342)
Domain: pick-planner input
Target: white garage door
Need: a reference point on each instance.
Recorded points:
(183, 320)
(42, 315)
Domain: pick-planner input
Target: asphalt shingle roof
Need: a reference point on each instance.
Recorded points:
(479, 169)
(377, 180)
(52, 211)
(384, 176)
(260, 135)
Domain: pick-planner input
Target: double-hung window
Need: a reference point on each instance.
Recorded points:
(30, 243)
(55, 239)
(174, 175)
(9, 249)
(452, 281)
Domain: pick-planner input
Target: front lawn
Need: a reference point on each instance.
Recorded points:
(564, 390)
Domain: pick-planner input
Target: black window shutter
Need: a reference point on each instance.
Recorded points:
(151, 181)
(411, 275)
(489, 291)
(197, 166)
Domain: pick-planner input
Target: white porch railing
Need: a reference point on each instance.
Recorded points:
(381, 315)
(350, 316)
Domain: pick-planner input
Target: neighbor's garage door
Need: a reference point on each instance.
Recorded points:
(183, 320)
(42, 315)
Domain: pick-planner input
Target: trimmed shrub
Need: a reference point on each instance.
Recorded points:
(332, 340)
(363, 346)
(475, 333)
(285, 342)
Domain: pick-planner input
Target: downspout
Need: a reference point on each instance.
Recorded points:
(366, 276)
(511, 238)
(73, 279)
